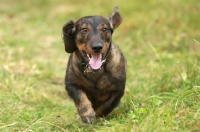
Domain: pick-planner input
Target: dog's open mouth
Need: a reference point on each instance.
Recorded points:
(95, 61)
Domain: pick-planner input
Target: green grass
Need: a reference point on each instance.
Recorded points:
(160, 39)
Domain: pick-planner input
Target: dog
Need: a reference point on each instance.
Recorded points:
(96, 71)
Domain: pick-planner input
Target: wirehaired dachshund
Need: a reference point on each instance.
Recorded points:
(96, 72)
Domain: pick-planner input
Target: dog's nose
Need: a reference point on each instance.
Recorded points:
(97, 47)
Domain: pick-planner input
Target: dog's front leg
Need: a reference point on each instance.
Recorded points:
(84, 108)
(83, 104)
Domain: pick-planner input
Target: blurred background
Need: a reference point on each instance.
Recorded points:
(160, 39)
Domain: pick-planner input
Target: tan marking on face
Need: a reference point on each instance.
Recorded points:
(81, 46)
(101, 27)
(105, 48)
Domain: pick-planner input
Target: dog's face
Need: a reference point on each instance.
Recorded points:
(92, 36)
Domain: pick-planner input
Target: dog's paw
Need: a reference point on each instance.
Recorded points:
(89, 119)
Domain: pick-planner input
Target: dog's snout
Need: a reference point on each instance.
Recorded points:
(97, 47)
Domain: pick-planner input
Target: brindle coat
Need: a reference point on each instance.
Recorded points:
(95, 92)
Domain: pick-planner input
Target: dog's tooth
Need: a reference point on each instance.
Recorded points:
(88, 56)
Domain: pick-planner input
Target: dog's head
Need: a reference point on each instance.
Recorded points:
(92, 36)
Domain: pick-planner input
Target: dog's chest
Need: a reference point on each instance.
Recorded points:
(100, 81)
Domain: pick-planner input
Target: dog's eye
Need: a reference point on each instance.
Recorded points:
(84, 30)
(105, 29)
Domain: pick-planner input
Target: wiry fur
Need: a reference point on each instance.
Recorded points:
(94, 93)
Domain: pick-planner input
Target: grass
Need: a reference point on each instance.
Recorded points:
(160, 39)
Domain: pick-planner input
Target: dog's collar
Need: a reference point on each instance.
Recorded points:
(87, 69)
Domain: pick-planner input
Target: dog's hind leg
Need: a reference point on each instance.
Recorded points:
(104, 109)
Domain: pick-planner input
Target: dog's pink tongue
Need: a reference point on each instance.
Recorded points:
(95, 61)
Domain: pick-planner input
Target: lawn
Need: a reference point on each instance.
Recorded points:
(160, 39)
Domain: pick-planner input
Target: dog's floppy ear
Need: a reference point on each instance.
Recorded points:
(115, 19)
(68, 37)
